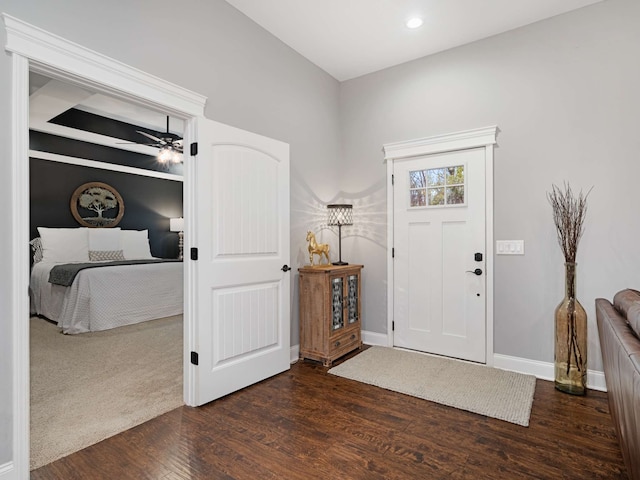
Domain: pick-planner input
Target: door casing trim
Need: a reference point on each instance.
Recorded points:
(476, 138)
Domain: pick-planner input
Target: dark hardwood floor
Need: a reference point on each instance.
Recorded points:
(306, 424)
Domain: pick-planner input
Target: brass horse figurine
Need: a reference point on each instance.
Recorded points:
(317, 248)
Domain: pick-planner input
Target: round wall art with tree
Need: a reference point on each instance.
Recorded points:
(96, 204)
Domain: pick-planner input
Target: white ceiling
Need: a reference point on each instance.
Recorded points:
(350, 38)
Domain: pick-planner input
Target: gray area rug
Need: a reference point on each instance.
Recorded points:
(479, 389)
(88, 387)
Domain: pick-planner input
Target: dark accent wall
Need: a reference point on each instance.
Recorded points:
(149, 202)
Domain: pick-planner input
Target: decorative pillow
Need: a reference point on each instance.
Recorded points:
(135, 244)
(36, 248)
(105, 255)
(104, 239)
(64, 245)
(627, 302)
(633, 318)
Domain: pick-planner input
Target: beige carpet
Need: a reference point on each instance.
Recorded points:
(88, 387)
(488, 391)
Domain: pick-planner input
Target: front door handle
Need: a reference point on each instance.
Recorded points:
(285, 268)
(477, 271)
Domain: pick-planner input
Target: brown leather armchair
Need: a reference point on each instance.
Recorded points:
(619, 329)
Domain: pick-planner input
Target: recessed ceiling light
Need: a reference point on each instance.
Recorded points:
(414, 22)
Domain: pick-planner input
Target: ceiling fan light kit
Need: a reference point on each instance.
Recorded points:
(168, 154)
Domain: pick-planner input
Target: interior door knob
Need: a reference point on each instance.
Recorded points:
(285, 268)
(477, 271)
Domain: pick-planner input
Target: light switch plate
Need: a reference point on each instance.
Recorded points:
(509, 247)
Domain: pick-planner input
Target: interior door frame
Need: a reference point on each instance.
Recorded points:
(33, 49)
(477, 138)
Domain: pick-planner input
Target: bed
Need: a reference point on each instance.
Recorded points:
(111, 295)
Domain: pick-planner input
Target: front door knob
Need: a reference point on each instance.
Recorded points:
(477, 271)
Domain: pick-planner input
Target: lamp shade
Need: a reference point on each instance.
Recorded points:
(176, 224)
(340, 214)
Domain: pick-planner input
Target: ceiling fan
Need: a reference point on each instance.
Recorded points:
(170, 145)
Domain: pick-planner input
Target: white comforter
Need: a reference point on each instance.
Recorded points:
(108, 297)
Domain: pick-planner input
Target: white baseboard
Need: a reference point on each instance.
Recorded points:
(541, 370)
(373, 338)
(294, 353)
(544, 370)
(596, 380)
(8, 471)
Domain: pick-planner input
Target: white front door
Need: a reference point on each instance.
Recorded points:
(439, 254)
(241, 231)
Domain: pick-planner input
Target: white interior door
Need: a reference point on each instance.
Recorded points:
(241, 231)
(439, 263)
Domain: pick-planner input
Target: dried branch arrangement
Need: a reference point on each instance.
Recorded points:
(569, 212)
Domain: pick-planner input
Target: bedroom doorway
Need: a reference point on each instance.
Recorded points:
(32, 49)
(128, 367)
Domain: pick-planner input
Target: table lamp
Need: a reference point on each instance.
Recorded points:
(177, 225)
(340, 214)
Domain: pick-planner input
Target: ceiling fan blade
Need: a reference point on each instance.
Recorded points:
(138, 143)
(155, 139)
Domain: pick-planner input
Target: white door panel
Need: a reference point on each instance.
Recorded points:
(242, 235)
(439, 306)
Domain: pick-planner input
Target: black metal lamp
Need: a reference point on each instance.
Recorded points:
(340, 214)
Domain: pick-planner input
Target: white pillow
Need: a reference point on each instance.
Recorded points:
(135, 244)
(64, 245)
(104, 239)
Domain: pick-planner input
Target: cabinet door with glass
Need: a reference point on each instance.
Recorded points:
(345, 304)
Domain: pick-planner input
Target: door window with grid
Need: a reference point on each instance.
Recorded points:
(437, 187)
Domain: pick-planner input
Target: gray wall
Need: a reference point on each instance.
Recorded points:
(564, 93)
(252, 80)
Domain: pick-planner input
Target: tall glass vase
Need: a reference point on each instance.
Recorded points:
(571, 339)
